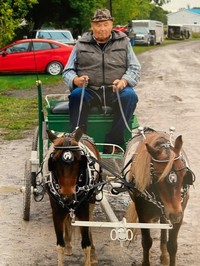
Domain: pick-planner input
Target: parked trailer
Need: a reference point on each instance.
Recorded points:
(176, 32)
(147, 32)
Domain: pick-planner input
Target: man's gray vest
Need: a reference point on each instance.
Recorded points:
(105, 65)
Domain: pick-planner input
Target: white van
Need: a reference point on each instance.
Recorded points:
(63, 36)
(147, 31)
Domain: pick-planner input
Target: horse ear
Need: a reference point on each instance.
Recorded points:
(178, 144)
(51, 135)
(78, 134)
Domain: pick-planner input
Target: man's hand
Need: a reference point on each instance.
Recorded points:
(80, 81)
(120, 84)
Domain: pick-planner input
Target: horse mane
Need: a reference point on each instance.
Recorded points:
(58, 142)
(140, 168)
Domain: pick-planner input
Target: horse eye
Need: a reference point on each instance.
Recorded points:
(172, 178)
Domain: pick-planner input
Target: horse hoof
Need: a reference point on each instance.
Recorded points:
(68, 251)
(164, 260)
(94, 260)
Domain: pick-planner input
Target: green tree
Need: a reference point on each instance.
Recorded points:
(72, 14)
(157, 13)
(85, 10)
(12, 14)
(125, 10)
(160, 2)
(122, 10)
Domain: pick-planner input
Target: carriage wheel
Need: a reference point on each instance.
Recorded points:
(28, 177)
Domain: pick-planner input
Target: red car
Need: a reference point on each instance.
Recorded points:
(34, 55)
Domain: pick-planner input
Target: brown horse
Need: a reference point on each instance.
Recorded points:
(160, 177)
(71, 178)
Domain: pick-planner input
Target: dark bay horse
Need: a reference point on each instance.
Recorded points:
(158, 170)
(70, 178)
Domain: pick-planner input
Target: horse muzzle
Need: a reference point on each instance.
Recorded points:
(68, 199)
(175, 218)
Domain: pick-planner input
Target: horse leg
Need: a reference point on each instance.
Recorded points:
(60, 254)
(144, 211)
(58, 219)
(146, 244)
(83, 214)
(172, 243)
(86, 245)
(164, 257)
(68, 236)
(93, 253)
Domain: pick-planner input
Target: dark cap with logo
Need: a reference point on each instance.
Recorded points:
(101, 15)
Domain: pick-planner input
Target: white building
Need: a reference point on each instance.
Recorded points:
(189, 17)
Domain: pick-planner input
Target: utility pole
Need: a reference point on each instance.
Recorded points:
(110, 6)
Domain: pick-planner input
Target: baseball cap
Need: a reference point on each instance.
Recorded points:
(101, 15)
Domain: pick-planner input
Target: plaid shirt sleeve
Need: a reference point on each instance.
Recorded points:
(132, 74)
(69, 72)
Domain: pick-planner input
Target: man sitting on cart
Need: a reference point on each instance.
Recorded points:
(102, 64)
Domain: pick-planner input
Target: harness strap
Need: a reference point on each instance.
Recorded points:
(121, 109)
(127, 184)
(81, 103)
(130, 186)
(127, 164)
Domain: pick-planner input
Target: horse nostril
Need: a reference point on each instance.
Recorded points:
(176, 218)
(67, 199)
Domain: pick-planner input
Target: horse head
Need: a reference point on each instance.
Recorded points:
(160, 168)
(64, 162)
(168, 169)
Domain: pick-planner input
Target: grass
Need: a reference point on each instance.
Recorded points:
(141, 49)
(16, 116)
(22, 82)
(19, 115)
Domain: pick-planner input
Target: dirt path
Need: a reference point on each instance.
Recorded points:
(169, 94)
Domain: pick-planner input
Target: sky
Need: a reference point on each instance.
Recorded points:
(175, 5)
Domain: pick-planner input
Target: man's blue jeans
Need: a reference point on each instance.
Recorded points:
(92, 98)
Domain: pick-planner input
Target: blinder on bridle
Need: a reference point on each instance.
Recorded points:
(172, 178)
(188, 178)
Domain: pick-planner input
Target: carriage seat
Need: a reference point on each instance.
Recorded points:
(99, 121)
(63, 108)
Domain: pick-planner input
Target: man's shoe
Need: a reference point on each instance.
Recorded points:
(111, 149)
(107, 149)
(118, 151)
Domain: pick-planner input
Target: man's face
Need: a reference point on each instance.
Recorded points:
(102, 30)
